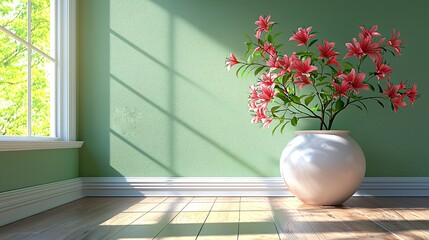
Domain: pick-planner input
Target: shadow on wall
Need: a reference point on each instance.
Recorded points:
(151, 107)
(148, 120)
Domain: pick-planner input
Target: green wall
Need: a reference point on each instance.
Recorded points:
(19, 169)
(156, 100)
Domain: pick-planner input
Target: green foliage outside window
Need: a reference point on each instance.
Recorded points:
(14, 68)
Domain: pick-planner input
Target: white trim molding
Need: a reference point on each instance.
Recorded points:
(63, 93)
(237, 186)
(37, 145)
(21, 203)
(394, 186)
(66, 71)
(184, 186)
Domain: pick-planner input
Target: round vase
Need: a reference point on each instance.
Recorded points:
(322, 167)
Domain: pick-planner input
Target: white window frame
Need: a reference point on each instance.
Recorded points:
(65, 92)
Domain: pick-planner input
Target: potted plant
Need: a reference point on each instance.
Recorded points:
(323, 167)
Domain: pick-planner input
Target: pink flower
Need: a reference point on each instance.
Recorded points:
(355, 80)
(398, 101)
(286, 62)
(302, 36)
(303, 67)
(301, 80)
(395, 42)
(253, 98)
(392, 90)
(267, 48)
(370, 48)
(266, 121)
(382, 70)
(263, 25)
(327, 49)
(273, 62)
(260, 114)
(265, 96)
(341, 89)
(231, 61)
(340, 71)
(333, 61)
(365, 47)
(267, 80)
(372, 32)
(354, 49)
(412, 94)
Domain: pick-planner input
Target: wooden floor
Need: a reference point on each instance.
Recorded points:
(226, 218)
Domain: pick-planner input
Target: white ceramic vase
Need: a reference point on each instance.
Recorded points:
(322, 167)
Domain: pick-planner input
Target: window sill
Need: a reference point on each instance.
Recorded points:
(37, 145)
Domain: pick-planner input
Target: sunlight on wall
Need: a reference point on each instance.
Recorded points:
(172, 112)
(133, 57)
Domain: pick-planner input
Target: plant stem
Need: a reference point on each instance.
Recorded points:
(332, 118)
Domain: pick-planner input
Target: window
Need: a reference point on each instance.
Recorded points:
(37, 79)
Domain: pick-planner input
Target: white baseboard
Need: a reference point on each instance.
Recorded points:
(184, 186)
(257, 186)
(394, 186)
(21, 203)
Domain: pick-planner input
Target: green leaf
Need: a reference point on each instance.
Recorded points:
(283, 97)
(283, 127)
(251, 70)
(274, 129)
(308, 100)
(294, 121)
(278, 46)
(321, 78)
(356, 97)
(371, 87)
(316, 108)
(238, 70)
(333, 69)
(277, 34)
(363, 105)
(339, 105)
(274, 109)
(347, 65)
(379, 88)
(295, 99)
(256, 54)
(258, 70)
(244, 70)
(285, 78)
(312, 42)
(357, 106)
(270, 38)
(322, 83)
(302, 53)
(245, 54)
(379, 102)
(248, 37)
(250, 59)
